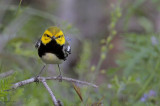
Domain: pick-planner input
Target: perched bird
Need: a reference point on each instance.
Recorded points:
(53, 48)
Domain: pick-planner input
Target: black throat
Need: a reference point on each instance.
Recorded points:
(51, 47)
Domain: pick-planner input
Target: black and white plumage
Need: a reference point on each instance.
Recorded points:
(53, 48)
(53, 53)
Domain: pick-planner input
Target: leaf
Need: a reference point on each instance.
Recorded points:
(99, 103)
(77, 89)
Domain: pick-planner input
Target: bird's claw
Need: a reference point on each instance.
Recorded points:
(36, 79)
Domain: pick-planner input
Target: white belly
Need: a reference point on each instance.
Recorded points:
(50, 58)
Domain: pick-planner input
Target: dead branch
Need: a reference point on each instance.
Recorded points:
(43, 80)
(21, 83)
(50, 92)
(6, 74)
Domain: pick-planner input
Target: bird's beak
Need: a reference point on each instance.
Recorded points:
(53, 38)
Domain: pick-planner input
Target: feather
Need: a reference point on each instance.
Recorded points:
(38, 43)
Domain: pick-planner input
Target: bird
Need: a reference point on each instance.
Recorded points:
(53, 48)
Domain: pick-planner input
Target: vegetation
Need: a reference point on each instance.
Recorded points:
(115, 47)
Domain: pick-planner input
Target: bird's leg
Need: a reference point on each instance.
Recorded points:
(42, 70)
(59, 76)
(36, 78)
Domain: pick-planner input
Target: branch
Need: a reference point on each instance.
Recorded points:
(73, 80)
(21, 83)
(43, 80)
(50, 92)
(6, 74)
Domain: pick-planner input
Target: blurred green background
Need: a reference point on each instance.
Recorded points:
(115, 44)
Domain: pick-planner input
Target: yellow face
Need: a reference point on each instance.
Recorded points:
(53, 32)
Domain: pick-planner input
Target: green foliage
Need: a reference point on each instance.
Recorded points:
(140, 65)
(5, 85)
(141, 52)
(133, 82)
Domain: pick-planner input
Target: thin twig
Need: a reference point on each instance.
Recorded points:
(21, 83)
(6, 74)
(73, 80)
(43, 80)
(50, 92)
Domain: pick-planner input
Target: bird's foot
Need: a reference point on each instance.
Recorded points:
(36, 79)
(59, 77)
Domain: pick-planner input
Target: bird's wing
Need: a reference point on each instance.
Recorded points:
(66, 49)
(38, 43)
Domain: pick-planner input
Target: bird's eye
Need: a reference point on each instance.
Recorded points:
(48, 36)
(59, 36)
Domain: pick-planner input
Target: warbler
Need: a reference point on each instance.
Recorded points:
(53, 48)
